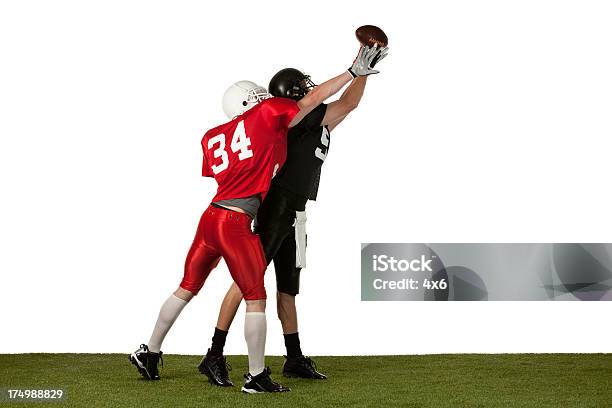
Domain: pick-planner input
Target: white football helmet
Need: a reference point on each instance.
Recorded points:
(242, 96)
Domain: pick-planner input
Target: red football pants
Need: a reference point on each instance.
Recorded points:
(227, 234)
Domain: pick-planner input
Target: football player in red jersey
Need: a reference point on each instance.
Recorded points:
(242, 155)
(280, 220)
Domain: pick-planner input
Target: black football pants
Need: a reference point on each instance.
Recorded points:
(275, 226)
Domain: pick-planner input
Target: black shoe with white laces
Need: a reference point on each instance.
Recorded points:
(262, 383)
(216, 369)
(146, 362)
(302, 367)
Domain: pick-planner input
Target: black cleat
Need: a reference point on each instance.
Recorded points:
(261, 383)
(146, 362)
(216, 369)
(302, 367)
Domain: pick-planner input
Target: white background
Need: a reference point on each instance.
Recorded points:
(490, 122)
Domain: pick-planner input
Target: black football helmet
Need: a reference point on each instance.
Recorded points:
(290, 83)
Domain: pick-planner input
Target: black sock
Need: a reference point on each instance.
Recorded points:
(292, 343)
(218, 342)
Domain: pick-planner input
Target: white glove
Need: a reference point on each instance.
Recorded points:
(380, 55)
(366, 59)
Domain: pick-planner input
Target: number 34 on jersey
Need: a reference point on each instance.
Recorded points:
(240, 144)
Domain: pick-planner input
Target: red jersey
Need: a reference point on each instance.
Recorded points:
(244, 154)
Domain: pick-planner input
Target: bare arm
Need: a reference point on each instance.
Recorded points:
(333, 125)
(337, 110)
(319, 94)
(362, 67)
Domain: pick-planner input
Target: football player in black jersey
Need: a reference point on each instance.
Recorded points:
(281, 217)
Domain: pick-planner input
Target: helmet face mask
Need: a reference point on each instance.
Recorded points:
(291, 83)
(256, 95)
(242, 96)
(302, 88)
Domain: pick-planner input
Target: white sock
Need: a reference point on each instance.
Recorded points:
(255, 334)
(168, 313)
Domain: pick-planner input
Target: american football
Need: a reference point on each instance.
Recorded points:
(370, 35)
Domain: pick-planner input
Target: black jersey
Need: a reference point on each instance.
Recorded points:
(307, 146)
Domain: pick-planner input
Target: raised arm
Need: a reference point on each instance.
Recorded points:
(319, 94)
(361, 67)
(337, 110)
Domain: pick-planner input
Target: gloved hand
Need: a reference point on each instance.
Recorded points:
(366, 59)
(382, 53)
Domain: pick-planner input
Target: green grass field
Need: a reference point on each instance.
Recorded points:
(519, 380)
